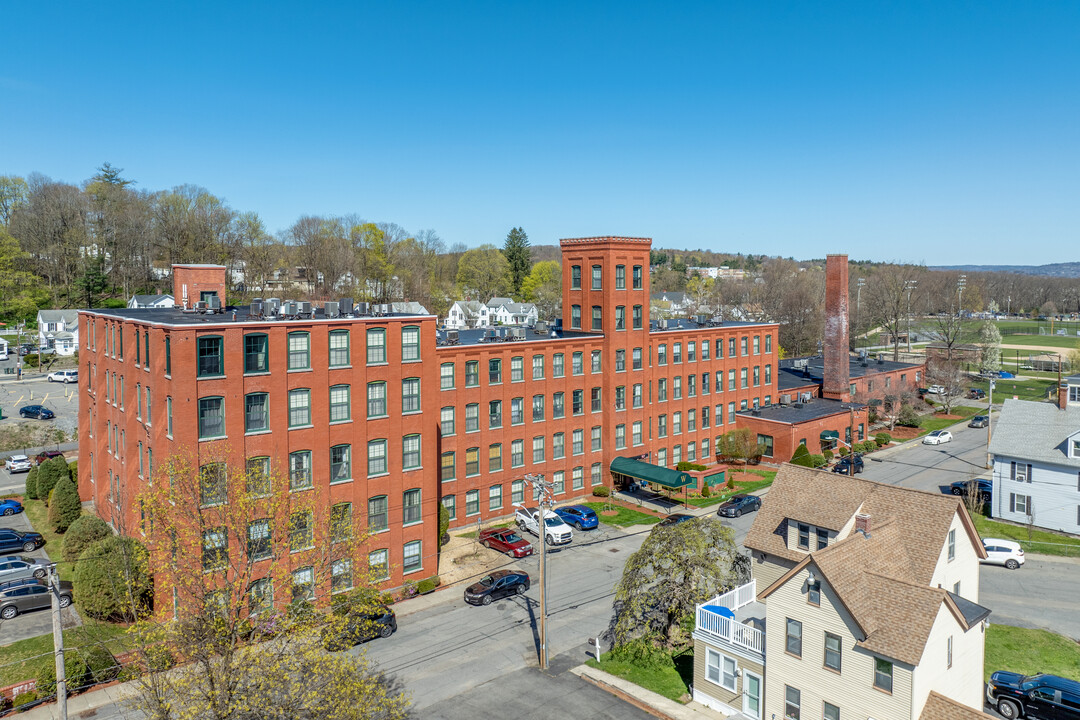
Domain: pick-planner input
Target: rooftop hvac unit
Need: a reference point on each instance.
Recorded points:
(540, 328)
(256, 308)
(880, 360)
(490, 336)
(702, 319)
(330, 309)
(272, 307)
(785, 399)
(200, 306)
(558, 325)
(345, 306)
(213, 303)
(756, 412)
(797, 406)
(804, 397)
(362, 308)
(289, 308)
(518, 333)
(303, 308)
(452, 337)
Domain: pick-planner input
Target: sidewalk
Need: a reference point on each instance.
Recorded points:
(88, 703)
(647, 700)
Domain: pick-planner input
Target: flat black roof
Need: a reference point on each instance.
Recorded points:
(178, 316)
(476, 336)
(675, 324)
(793, 415)
(813, 372)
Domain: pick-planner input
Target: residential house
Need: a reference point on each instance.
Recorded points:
(151, 301)
(863, 603)
(464, 314)
(670, 304)
(1036, 450)
(504, 311)
(59, 330)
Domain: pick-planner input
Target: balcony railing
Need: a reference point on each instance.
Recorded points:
(726, 629)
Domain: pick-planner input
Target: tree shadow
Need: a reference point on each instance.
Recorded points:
(684, 665)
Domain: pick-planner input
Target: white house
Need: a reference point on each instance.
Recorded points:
(151, 301)
(59, 329)
(863, 603)
(464, 314)
(504, 311)
(1036, 450)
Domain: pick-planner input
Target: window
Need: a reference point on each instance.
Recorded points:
(620, 436)
(168, 416)
(376, 346)
(743, 378)
(517, 453)
(339, 348)
(410, 504)
(883, 673)
(447, 466)
(558, 365)
(575, 277)
(538, 449)
(472, 417)
(301, 531)
(757, 376)
(577, 363)
(691, 420)
(597, 434)
(495, 414)
(620, 277)
(691, 352)
(303, 584)
(620, 360)
(704, 350)
(410, 395)
(691, 386)
(620, 397)
(379, 563)
(948, 653)
(661, 355)
(595, 399)
(446, 376)
(211, 418)
(446, 421)
(822, 538)
(259, 545)
(341, 522)
(376, 457)
(705, 383)
(577, 401)
(676, 423)
(538, 367)
(168, 355)
(597, 277)
(299, 351)
(215, 549)
(211, 359)
(472, 502)
(637, 358)
(495, 457)
(341, 576)
(517, 492)
(620, 317)
(517, 411)
(472, 373)
(558, 446)
(768, 374)
(731, 347)
(410, 344)
(766, 441)
(676, 387)
(637, 277)
(339, 403)
(804, 536)
(831, 712)
(832, 651)
(494, 371)
(676, 353)
(538, 408)
(578, 478)
(661, 390)
(661, 426)
(299, 408)
(256, 353)
(578, 442)
(256, 412)
(378, 514)
(792, 699)
(450, 503)
(411, 559)
(575, 317)
(597, 318)
(340, 463)
(558, 405)
(637, 317)
(768, 344)
(376, 399)
(793, 643)
(472, 462)
(743, 346)
(558, 479)
(212, 484)
(410, 452)
(300, 470)
(637, 396)
(597, 474)
(517, 369)
(952, 545)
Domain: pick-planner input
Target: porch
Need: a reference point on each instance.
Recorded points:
(735, 619)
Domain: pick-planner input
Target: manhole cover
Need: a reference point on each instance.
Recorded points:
(613, 550)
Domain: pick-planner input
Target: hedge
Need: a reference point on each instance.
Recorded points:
(83, 533)
(817, 461)
(104, 574)
(882, 438)
(31, 484)
(601, 491)
(49, 474)
(65, 507)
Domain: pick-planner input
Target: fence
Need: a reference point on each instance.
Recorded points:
(1051, 548)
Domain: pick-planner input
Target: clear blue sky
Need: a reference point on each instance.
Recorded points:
(938, 132)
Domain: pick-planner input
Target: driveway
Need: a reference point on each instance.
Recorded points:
(37, 622)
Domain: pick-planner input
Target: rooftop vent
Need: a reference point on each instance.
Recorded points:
(785, 399)
(452, 337)
(256, 307)
(345, 307)
(331, 309)
(361, 308)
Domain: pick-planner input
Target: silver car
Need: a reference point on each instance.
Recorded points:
(18, 567)
(19, 596)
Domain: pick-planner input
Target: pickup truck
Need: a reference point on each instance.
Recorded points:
(556, 532)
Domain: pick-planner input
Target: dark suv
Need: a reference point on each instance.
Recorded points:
(47, 455)
(1041, 696)
(18, 596)
(844, 465)
(15, 540)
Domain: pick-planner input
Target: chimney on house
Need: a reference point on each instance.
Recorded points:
(862, 524)
(837, 377)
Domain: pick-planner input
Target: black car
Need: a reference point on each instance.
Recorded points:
(979, 421)
(738, 505)
(976, 393)
(15, 540)
(962, 487)
(356, 628)
(843, 466)
(1041, 696)
(674, 519)
(39, 412)
(18, 596)
(498, 584)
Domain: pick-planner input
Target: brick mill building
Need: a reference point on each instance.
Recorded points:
(390, 417)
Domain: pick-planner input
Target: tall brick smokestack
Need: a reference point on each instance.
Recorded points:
(837, 380)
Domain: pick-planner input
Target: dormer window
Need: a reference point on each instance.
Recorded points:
(1075, 448)
(804, 537)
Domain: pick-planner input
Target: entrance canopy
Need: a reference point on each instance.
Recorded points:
(830, 435)
(672, 479)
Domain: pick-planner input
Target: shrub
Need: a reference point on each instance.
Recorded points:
(601, 491)
(100, 663)
(83, 533)
(883, 438)
(73, 471)
(684, 466)
(24, 698)
(428, 585)
(107, 572)
(706, 491)
(869, 446)
(827, 454)
(31, 484)
(49, 473)
(643, 653)
(817, 461)
(74, 670)
(843, 451)
(801, 456)
(907, 417)
(65, 506)
(444, 523)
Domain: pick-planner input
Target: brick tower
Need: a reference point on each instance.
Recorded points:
(837, 380)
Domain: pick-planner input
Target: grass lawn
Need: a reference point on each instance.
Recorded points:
(38, 515)
(625, 516)
(671, 681)
(1048, 341)
(1029, 652)
(472, 533)
(1023, 389)
(1042, 541)
(743, 484)
(23, 658)
(929, 423)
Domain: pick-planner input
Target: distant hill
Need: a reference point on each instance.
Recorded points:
(1067, 269)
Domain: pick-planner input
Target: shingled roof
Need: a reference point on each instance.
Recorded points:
(939, 707)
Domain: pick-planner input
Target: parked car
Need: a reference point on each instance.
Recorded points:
(46, 455)
(64, 376)
(976, 393)
(26, 349)
(937, 437)
(15, 540)
(580, 516)
(19, 596)
(962, 487)
(738, 505)
(506, 540)
(498, 584)
(979, 421)
(20, 567)
(843, 465)
(17, 463)
(923, 392)
(46, 350)
(1003, 552)
(556, 532)
(39, 412)
(674, 519)
(1041, 696)
(10, 506)
(936, 389)
(356, 628)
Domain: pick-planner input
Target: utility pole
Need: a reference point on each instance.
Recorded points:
(989, 415)
(909, 286)
(544, 492)
(58, 642)
(851, 441)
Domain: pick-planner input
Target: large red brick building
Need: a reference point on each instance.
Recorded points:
(389, 417)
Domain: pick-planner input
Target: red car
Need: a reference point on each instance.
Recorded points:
(47, 455)
(506, 540)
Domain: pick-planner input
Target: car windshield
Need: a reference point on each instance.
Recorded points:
(553, 521)
(512, 538)
(488, 581)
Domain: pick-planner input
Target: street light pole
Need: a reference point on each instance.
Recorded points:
(544, 493)
(58, 642)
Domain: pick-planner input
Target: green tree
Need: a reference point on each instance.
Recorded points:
(484, 273)
(31, 484)
(13, 192)
(66, 507)
(93, 281)
(17, 298)
(676, 568)
(50, 473)
(519, 255)
(112, 579)
(83, 533)
(801, 456)
(543, 288)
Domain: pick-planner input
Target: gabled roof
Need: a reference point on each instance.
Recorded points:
(1036, 432)
(71, 317)
(150, 299)
(939, 707)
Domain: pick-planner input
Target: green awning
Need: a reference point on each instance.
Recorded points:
(830, 435)
(672, 479)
